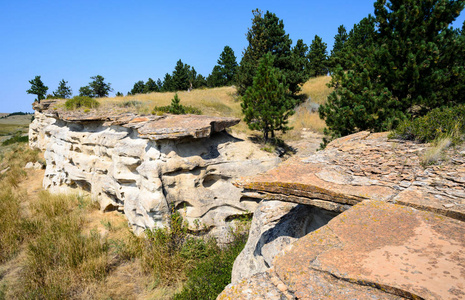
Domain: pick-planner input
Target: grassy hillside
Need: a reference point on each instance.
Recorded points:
(12, 124)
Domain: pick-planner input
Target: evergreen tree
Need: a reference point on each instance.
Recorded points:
(159, 85)
(138, 88)
(63, 91)
(99, 87)
(150, 86)
(337, 55)
(215, 79)
(267, 103)
(267, 35)
(86, 91)
(409, 67)
(318, 57)
(37, 88)
(224, 75)
(168, 83)
(300, 64)
(180, 77)
(119, 94)
(200, 81)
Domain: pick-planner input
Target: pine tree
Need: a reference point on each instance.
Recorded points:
(37, 88)
(63, 91)
(228, 66)
(404, 69)
(150, 86)
(86, 91)
(267, 103)
(99, 87)
(337, 55)
(300, 63)
(318, 57)
(215, 79)
(168, 84)
(267, 34)
(180, 77)
(138, 88)
(159, 85)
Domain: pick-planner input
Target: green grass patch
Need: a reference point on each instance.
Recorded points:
(81, 101)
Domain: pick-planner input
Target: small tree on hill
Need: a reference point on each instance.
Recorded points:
(150, 86)
(138, 88)
(318, 58)
(267, 104)
(99, 87)
(37, 88)
(63, 91)
(86, 91)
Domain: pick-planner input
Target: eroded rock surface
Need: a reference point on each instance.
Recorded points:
(400, 234)
(146, 166)
(374, 250)
(367, 166)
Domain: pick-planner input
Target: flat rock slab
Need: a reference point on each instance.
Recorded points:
(366, 166)
(375, 250)
(396, 249)
(166, 127)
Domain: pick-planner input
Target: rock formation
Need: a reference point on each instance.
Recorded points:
(400, 232)
(145, 166)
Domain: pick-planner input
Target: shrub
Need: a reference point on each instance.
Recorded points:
(176, 108)
(16, 139)
(81, 101)
(210, 274)
(437, 124)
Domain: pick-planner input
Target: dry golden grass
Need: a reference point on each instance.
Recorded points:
(215, 102)
(317, 89)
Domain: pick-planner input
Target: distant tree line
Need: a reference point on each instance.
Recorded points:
(96, 88)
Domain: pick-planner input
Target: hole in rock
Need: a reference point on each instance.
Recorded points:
(211, 179)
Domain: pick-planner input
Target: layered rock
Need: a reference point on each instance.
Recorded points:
(146, 166)
(401, 233)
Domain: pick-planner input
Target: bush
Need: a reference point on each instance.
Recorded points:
(16, 139)
(210, 275)
(437, 124)
(176, 108)
(81, 101)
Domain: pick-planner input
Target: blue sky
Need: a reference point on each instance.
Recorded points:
(127, 41)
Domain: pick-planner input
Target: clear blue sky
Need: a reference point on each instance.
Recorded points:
(127, 41)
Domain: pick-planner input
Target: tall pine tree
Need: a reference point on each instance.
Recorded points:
(267, 104)
(318, 57)
(407, 67)
(180, 77)
(337, 53)
(267, 34)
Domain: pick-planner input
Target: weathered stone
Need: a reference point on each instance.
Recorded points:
(129, 164)
(375, 250)
(275, 225)
(344, 174)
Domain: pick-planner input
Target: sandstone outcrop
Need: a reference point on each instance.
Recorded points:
(400, 232)
(145, 166)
